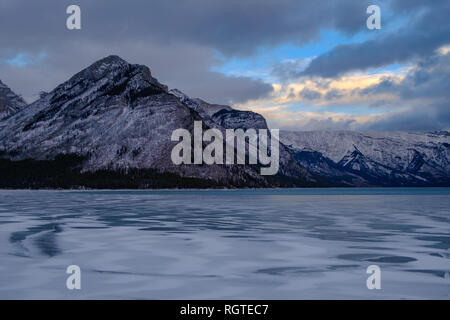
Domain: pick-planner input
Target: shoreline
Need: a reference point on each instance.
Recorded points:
(230, 189)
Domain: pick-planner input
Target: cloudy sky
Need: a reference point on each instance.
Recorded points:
(303, 64)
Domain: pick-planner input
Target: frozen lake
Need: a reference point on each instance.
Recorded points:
(221, 244)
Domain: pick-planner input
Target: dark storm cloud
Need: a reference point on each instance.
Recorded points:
(430, 79)
(181, 40)
(423, 100)
(426, 118)
(178, 40)
(423, 96)
(421, 103)
(232, 27)
(427, 30)
(425, 92)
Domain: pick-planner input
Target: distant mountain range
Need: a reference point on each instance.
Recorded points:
(110, 125)
(374, 158)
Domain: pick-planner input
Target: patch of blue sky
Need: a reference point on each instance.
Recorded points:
(19, 60)
(259, 65)
(24, 59)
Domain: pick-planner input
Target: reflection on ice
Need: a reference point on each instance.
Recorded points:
(45, 239)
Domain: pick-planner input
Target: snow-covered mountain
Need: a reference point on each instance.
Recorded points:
(10, 102)
(374, 158)
(110, 125)
(224, 117)
(118, 120)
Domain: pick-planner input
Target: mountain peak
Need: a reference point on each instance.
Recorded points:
(103, 67)
(356, 151)
(10, 102)
(109, 63)
(112, 58)
(353, 157)
(112, 67)
(109, 76)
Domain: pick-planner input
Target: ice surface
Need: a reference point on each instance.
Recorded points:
(253, 244)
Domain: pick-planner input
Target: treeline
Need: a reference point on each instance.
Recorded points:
(64, 173)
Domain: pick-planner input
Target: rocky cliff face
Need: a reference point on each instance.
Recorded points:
(10, 103)
(374, 158)
(117, 118)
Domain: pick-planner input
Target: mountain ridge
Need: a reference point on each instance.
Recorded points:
(376, 158)
(115, 117)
